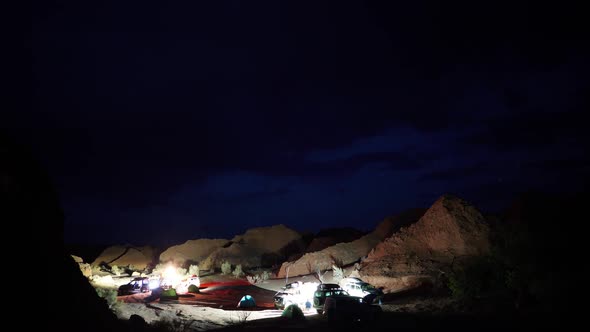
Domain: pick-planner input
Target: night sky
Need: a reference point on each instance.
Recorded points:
(159, 124)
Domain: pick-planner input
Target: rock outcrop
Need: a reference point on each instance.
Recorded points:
(85, 268)
(349, 252)
(31, 206)
(192, 251)
(329, 237)
(138, 257)
(257, 247)
(451, 229)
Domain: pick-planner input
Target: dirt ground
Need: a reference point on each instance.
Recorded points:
(215, 306)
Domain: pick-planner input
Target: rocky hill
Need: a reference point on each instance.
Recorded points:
(262, 246)
(329, 237)
(450, 230)
(192, 250)
(139, 257)
(349, 252)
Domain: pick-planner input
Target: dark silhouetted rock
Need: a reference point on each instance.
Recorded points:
(139, 257)
(32, 207)
(451, 229)
(329, 237)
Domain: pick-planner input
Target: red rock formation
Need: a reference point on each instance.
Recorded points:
(349, 252)
(450, 229)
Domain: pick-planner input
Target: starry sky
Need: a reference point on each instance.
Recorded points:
(159, 123)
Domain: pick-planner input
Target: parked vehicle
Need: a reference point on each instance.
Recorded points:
(297, 293)
(324, 291)
(350, 308)
(357, 287)
(137, 285)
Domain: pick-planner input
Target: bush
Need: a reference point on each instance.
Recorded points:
(238, 271)
(293, 312)
(109, 295)
(265, 275)
(252, 279)
(193, 270)
(226, 267)
(180, 271)
(193, 289)
(240, 317)
(510, 273)
(116, 270)
(159, 269)
(337, 273)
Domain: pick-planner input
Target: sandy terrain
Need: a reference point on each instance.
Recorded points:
(214, 307)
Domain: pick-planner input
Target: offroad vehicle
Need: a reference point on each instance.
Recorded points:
(297, 293)
(357, 287)
(137, 285)
(324, 291)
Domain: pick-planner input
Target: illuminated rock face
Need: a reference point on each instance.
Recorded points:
(192, 250)
(257, 247)
(139, 257)
(349, 252)
(451, 229)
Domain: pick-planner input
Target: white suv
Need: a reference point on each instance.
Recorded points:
(357, 287)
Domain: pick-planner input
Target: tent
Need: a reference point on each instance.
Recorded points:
(247, 301)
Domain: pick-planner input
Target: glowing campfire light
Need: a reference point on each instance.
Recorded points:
(170, 277)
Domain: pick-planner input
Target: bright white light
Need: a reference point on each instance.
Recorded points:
(170, 277)
(154, 283)
(300, 293)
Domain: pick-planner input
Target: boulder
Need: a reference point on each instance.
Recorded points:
(451, 230)
(192, 250)
(77, 259)
(257, 247)
(139, 257)
(85, 268)
(349, 252)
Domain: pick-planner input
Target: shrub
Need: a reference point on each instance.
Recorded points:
(252, 279)
(240, 318)
(109, 295)
(96, 269)
(159, 269)
(116, 270)
(511, 272)
(480, 277)
(226, 267)
(180, 271)
(293, 312)
(337, 273)
(238, 271)
(193, 270)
